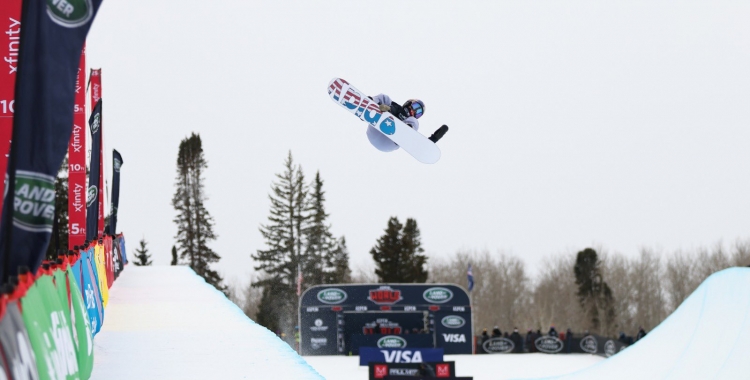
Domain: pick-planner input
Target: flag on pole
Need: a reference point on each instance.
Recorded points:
(299, 280)
(49, 54)
(470, 277)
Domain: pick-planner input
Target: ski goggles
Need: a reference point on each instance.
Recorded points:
(417, 110)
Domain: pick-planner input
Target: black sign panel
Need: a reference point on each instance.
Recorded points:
(430, 370)
(425, 378)
(427, 315)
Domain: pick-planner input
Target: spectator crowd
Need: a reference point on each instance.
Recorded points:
(525, 343)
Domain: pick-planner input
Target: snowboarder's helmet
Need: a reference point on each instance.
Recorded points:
(414, 108)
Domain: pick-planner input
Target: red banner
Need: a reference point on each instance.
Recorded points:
(10, 20)
(95, 88)
(77, 163)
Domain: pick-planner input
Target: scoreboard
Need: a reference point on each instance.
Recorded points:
(338, 319)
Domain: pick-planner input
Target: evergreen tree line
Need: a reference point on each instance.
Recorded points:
(591, 290)
(301, 251)
(195, 225)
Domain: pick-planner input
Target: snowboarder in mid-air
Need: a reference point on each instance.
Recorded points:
(412, 110)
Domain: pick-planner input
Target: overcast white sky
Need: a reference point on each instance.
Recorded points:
(617, 123)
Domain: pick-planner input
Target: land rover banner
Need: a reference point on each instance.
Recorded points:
(95, 172)
(49, 55)
(10, 20)
(77, 163)
(116, 165)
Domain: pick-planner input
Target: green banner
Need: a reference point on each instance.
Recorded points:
(48, 325)
(67, 289)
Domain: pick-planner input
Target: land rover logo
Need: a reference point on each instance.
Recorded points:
(588, 344)
(34, 204)
(549, 344)
(91, 196)
(609, 348)
(331, 296)
(70, 13)
(391, 341)
(453, 321)
(437, 295)
(498, 345)
(95, 123)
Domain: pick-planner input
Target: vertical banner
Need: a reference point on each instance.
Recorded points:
(77, 163)
(49, 54)
(116, 165)
(95, 80)
(95, 172)
(10, 38)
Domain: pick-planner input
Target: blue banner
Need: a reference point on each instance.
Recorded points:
(49, 55)
(92, 299)
(402, 355)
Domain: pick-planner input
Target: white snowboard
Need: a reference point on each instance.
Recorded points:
(356, 102)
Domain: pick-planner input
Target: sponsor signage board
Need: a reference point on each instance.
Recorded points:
(439, 370)
(498, 346)
(549, 344)
(426, 378)
(406, 355)
(589, 345)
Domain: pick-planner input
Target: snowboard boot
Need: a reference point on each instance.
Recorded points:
(437, 135)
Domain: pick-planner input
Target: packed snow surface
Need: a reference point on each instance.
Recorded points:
(481, 367)
(705, 338)
(167, 323)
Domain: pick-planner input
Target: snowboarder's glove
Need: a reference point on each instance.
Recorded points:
(385, 108)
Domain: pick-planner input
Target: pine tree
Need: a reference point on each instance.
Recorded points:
(326, 258)
(411, 245)
(283, 236)
(398, 253)
(175, 259)
(340, 263)
(142, 256)
(59, 239)
(194, 223)
(594, 294)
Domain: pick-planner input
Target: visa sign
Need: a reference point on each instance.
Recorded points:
(415, 355)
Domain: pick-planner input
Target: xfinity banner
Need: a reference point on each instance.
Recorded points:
(116, 164)
(49, 53)
(77, 163)
(404, 355)
(10, 20)
(95, 172)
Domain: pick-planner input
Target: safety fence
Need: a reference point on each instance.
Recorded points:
(48, 319)
(588, 344)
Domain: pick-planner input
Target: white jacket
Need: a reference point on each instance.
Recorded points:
(379, 140)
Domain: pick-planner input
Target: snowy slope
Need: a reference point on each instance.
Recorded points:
(481, 367)
(705, 338)
(167, 323)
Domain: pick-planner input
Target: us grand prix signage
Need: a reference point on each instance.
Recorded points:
(339, 319)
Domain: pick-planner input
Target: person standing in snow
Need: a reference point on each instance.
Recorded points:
(641, 334)
(409, 112)
(515, 337)
(496, 332)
